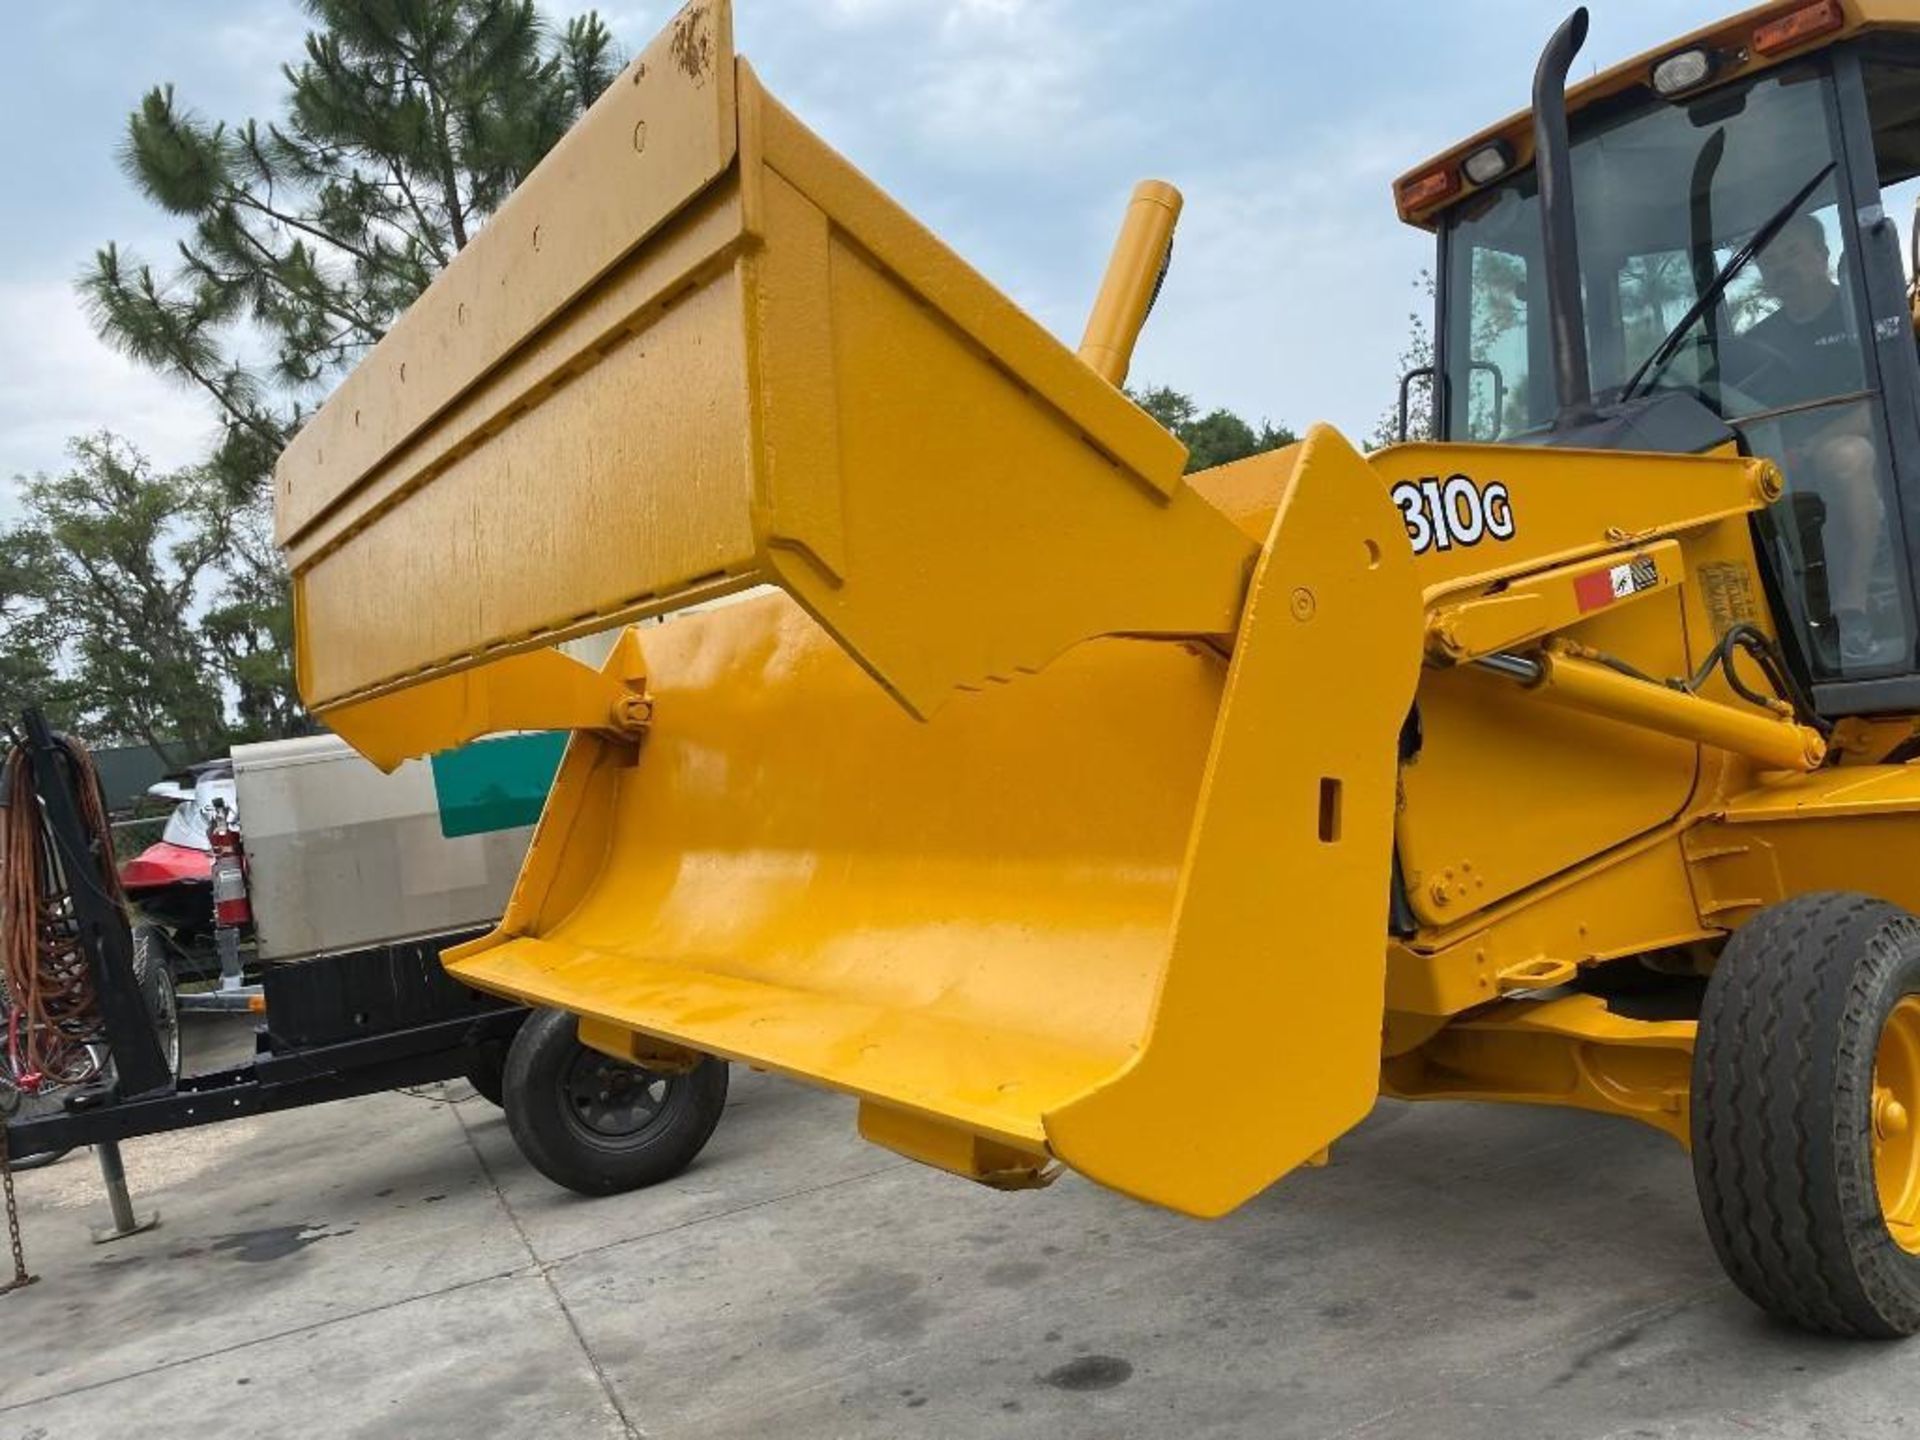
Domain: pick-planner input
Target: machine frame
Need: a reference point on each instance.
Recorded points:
(1054, 778)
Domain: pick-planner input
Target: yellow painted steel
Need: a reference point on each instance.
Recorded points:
(1568, 1051)
(539, 690)
(1525, 611)
(941, 915)
(1573, 505)
(1140, 259)
(1896, 1147)
(1775, 741)
(1052, 803)
(1845, 828)
(1630, 900)
(1248, 491)
(1565, 785)
(763, 370)
(1291, 807)
(962, 922)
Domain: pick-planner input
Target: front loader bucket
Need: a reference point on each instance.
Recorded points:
(1096, 872)
(1128, 912)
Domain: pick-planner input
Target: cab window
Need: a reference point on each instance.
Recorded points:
(1666, 196)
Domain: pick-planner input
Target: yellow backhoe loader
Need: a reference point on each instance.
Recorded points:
(1070, 811)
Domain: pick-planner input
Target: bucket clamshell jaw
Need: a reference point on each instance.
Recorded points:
(1117, 813)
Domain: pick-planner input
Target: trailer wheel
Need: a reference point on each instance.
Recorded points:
(1806, 1092)
(157, 985)
(596, 1125)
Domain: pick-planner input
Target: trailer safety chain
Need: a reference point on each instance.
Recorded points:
(21, 1276)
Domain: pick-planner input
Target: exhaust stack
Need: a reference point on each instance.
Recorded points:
(1141, 257)
(1560, 241)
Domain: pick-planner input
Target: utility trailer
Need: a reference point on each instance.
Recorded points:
(315, 852)
(337, 1023)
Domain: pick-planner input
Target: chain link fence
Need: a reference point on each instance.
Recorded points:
(132, 836)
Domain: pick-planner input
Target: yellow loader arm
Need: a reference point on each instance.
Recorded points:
(697, 352)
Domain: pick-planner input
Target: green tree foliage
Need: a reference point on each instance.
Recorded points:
(248, 628)
(153, 607)
(1416, 354)
(110, 565)
(1215, 438)
(407, 122)
(28, 636)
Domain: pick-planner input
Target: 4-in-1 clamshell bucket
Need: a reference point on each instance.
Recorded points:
(1015, 814)
(1065, 808)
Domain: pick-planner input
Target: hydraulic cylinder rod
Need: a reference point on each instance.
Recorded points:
(1772, 740)
(1139, 263)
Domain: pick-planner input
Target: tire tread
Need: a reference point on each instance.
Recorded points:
(1769, 1106)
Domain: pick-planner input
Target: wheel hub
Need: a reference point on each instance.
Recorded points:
(613, 1101)
(1889, 1115)
(1896, 1149)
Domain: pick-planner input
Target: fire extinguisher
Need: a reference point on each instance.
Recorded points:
(232, 908)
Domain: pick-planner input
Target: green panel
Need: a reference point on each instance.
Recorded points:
(496, 784)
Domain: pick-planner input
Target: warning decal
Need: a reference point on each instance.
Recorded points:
(1598, 588)
(1728, 590)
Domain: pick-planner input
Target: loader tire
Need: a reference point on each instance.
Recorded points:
(1795, 1139)
(596, 1125)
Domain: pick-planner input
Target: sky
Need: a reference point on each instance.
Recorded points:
(1013, 128)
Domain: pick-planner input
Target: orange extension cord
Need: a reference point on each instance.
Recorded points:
(50, 1010)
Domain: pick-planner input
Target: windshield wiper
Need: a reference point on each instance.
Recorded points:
(1655, 365)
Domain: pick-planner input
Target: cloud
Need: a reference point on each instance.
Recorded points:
(999, 73)
(1282, 304)
(63, 381)
(255, 44)
(982, 87)
(632, 25)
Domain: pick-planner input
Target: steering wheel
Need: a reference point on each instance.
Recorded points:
(1754, 367)
(1738, 372)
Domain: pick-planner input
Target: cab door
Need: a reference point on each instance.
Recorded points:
(1878, 103)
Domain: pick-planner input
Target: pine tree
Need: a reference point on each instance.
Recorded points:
(407, 122)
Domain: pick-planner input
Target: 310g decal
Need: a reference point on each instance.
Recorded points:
(1441, 514)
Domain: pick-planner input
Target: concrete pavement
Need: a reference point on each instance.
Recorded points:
(390, 1267)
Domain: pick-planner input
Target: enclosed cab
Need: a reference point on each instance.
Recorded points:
(1807, 356)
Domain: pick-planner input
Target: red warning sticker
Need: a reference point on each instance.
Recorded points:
(1598, 588)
